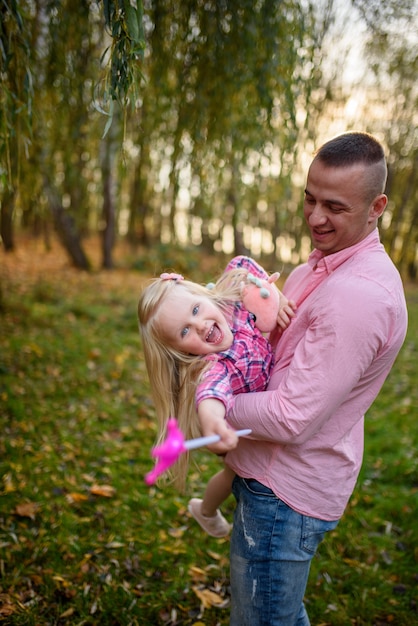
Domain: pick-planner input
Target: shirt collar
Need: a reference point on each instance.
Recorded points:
(330, 262)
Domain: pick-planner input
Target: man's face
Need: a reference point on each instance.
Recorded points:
(335, 208)
(193, 324)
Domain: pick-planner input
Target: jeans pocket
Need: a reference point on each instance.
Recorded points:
(257, 488)
(313, 532)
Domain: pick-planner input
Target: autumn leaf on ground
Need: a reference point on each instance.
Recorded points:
(103, 490)
(177, 532)
(26, 509)
(114, 544)
(7, 609)
(197, 574)
(8, 483)
(209, 598)
(6, 605)
(76, 497)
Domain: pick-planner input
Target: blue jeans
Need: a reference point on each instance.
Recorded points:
(271, 551)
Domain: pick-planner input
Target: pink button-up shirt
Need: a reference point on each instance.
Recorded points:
(307, 428)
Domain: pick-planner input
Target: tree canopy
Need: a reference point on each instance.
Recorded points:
(188, 123)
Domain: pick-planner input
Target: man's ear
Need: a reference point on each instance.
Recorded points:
(377, 207)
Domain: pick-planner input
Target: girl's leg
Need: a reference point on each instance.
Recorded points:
(217, 490)
(206, 511)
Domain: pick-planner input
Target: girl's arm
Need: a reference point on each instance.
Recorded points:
(211, 414)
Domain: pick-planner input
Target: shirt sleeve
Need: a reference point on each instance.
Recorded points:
(215, 384)
(249, 264)
(345, 332)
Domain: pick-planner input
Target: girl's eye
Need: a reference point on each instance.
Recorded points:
(196, 309)
(184, 331)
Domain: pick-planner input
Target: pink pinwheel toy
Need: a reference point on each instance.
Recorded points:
(169, 451)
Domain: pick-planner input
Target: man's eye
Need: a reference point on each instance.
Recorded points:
(309, 200)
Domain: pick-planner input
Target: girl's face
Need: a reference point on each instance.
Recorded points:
(193, 324)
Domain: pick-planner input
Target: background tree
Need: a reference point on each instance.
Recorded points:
(396, 82)
(60, 45)
(16, 96)
(222, 104)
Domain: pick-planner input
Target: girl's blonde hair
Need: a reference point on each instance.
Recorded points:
(174, 375)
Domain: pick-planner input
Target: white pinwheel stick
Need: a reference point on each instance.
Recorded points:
(200, 442)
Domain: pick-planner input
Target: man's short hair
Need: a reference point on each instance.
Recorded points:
(354, 148)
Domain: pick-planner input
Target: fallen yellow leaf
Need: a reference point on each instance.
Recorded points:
(214, 555)
(76, 497)
(197, 573)
(8, 483)
(27, 509)
(7, 609)
(208, 598)
(103, 490)
(115, 544)
(176, 532)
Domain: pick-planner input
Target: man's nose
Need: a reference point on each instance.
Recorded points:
(317, 215)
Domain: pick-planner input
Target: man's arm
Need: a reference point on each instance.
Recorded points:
(344, 332)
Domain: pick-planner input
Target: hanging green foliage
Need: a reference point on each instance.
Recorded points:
(124, 21)
(16, 87)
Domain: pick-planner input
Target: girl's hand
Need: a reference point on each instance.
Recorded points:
(286, 312)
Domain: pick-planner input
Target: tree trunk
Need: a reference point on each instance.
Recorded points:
(233, 201)
(66, 229)
(109, 212)
(6, 222)
(110, 222)
(139, 207)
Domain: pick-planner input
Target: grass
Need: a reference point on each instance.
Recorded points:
(83, 541)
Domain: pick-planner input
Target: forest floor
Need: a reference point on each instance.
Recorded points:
(83, 540)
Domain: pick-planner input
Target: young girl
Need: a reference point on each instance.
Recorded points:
(202, 345)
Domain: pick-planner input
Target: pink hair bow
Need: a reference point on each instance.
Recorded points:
(171, 276)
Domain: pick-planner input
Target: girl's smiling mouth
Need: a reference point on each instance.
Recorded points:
(215, 335)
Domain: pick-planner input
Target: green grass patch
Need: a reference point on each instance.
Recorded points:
(83, 541)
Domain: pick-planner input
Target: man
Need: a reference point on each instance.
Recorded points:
(298, 470)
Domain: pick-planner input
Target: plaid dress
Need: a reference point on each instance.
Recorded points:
(247, 364)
